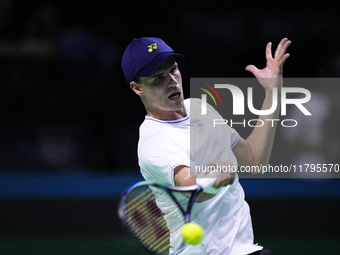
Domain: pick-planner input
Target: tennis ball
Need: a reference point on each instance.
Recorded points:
(192, 233)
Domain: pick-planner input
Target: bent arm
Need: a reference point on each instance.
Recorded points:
(256, 149)
(183, 177)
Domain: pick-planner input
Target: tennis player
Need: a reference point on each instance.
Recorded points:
(150, 67)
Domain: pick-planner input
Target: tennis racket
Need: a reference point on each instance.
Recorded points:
(151, 212)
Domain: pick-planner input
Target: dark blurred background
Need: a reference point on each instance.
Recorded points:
(69, 121)
(65, 102)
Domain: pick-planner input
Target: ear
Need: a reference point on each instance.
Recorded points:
(136, 88)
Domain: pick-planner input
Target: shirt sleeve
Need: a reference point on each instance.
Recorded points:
(234, 136)
(159, 157)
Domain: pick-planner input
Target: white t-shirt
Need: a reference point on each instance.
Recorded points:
(193, 141)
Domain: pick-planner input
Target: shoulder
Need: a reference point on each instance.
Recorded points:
(157, 137)
(194, 105)
(192, 101)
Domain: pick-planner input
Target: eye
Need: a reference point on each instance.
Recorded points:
(157, 79)
(174, 69)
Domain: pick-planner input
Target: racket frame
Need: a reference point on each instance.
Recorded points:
(195, 190)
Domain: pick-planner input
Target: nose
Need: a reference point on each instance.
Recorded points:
(172, 79)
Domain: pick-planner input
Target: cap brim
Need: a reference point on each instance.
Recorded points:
(152, 67)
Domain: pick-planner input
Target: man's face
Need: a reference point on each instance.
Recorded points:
(162, 91)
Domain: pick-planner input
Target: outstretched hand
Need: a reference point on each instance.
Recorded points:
(274, 66)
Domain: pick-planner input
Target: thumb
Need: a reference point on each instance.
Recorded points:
(252, 68)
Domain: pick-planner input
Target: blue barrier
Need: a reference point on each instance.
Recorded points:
(56, 186)
(102, 186)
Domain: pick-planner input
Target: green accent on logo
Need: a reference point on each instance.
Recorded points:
(208, 92)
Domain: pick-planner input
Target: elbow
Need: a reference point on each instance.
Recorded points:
(257, 156)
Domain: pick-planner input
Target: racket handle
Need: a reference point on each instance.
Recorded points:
(205, 182)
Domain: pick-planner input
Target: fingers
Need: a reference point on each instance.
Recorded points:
(281, 48)
(226, 175)
(252, 68)
(274, 65)
(224, 182)
(284, 58)
(280, 54)
(269, 51)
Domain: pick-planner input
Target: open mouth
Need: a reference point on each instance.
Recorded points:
(175, 95)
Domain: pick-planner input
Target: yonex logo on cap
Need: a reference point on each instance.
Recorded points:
(152, 47)
(143, 57)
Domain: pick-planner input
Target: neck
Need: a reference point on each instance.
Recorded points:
(168, 115)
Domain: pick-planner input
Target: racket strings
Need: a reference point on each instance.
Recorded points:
(146, 220)
(138, 200)
(154, 231)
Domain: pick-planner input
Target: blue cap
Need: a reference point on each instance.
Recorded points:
(143, 57)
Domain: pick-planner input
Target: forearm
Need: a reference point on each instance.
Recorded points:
(183, 178)
(262, 137)
(256, 149)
